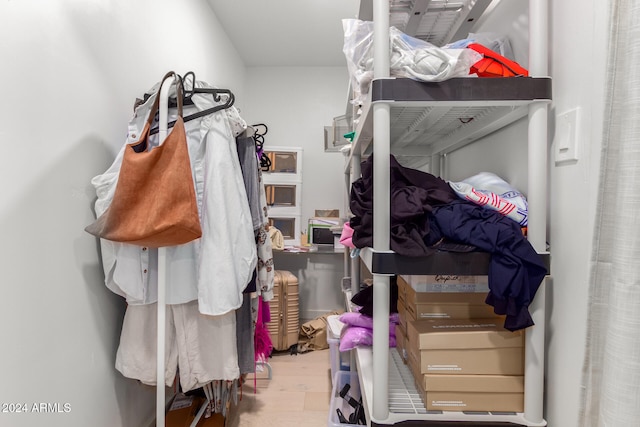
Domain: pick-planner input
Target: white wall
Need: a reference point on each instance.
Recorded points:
(296, 103)
(71, 70)
(70, 73)
(577, 37)
(578, 31)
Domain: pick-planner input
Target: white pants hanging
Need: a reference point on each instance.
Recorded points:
(193, 345)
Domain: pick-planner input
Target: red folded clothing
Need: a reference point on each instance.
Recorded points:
(494, 65)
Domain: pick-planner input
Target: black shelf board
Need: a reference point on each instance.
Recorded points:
(462, 89)
(440, 262)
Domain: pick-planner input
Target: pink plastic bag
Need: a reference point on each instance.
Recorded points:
(358, 330)
(357, 319)
(345, 237)
(354, 336)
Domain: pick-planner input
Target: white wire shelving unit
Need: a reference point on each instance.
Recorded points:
(422, 122)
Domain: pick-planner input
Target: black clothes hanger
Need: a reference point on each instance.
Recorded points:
(260, 131)
(218, 95)
(230, 97)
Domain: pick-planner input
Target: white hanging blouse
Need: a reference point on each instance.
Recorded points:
(214, 269)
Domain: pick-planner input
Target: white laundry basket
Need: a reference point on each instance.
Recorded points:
(340, 361)
(338, 402)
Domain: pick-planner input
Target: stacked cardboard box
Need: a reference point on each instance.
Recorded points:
(447, 283)
(485, 393)
(401, 344)
(460, 355)
(454, 297)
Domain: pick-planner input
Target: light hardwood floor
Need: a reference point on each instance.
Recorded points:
(298, 394)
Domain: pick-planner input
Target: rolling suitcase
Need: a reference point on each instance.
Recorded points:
(285, 324)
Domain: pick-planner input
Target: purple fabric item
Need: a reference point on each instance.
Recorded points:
(354, 336)
(361, 320)
(262, 339)
(345, 237)
(266, 311)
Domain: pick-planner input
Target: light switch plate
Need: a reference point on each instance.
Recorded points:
(567, 136)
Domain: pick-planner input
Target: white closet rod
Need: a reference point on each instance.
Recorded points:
(162, 275)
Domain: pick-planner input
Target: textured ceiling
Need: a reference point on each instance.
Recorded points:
(286, 32)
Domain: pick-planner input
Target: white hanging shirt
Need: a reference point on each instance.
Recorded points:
(214, 269)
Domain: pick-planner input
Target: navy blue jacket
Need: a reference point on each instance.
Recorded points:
(515, 270)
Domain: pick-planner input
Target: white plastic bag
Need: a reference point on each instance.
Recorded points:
(420, 60)
(496, 42)
(358, 51)
(409, 57)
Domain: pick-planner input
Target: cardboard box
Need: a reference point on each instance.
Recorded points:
(409, 294)
(414, 366)
(474, 383)
(446, 310)
(401, 344)
(441, 305)
(403, 316)
(402, 288)
(183, 410)
(462, 333)
(446, 283)
(463, 346)
(495, 393)
(327, 213)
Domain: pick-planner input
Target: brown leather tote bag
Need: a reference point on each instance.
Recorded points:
(154, 203)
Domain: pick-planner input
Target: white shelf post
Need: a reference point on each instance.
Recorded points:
(382, 213)
(537, 197)
(356, 158)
